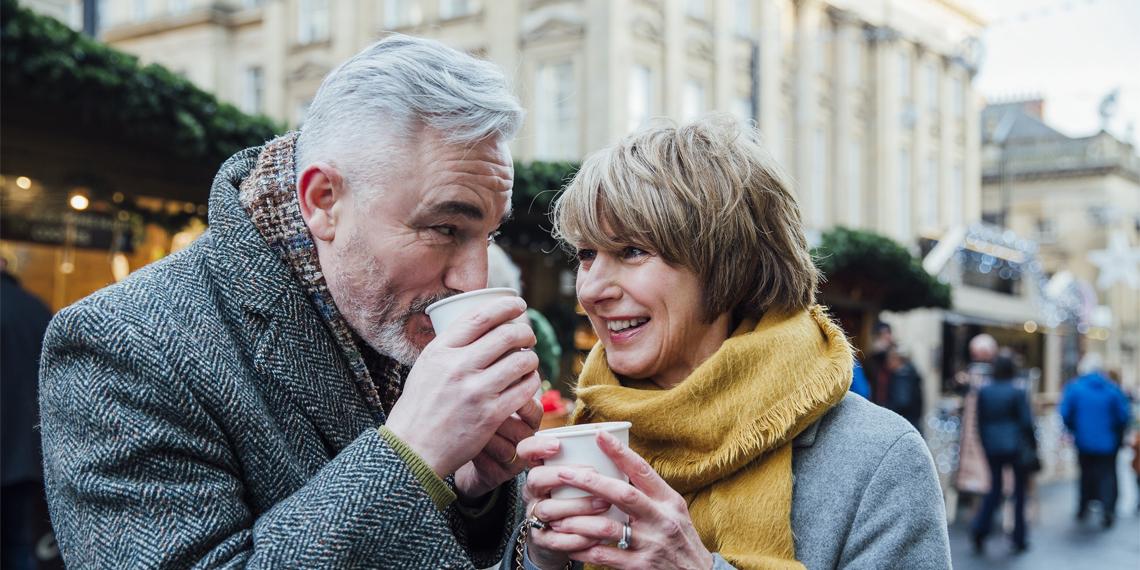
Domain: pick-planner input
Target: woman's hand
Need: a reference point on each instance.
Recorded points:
(548, 548)
(662, 535)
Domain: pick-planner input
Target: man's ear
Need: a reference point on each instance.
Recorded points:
(322, 196)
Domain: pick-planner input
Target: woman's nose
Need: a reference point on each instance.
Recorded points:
(598, 283)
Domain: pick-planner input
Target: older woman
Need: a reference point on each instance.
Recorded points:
(745, 451)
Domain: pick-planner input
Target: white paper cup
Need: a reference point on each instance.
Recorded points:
(447, 311)
(579, 447)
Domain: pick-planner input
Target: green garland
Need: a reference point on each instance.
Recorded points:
(895, 277)
(45, 62)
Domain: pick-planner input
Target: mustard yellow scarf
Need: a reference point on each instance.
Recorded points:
(722, 438)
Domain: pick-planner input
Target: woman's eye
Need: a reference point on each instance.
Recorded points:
(493, 236)
(586, 254)
(631, 252)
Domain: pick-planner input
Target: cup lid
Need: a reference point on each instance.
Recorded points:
(585, 429)
(469, 294)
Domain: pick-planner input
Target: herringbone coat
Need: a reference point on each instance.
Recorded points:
(199, 414)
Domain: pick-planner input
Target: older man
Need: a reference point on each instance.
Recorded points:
(274, 395)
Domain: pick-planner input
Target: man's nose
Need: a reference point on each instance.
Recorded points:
(468, 271)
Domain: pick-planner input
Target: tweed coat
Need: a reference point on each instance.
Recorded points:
(199, 414)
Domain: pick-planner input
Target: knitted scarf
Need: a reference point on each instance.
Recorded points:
(269, 196)
(723, 437)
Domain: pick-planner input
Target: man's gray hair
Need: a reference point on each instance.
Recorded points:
(1090, 362)
(368, 107)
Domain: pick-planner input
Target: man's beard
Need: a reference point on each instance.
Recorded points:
(380, 322)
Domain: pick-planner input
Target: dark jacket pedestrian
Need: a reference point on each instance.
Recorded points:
(1005, 425)
(1096, 413)
(904, 389)
(23, 320)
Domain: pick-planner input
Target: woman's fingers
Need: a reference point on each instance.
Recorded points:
(549, 510)
(557, 541)
(622, 495)
(640, 473)
(600, 528)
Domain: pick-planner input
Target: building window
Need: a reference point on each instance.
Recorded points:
(958, 96)
(931, 72)
(742, 13)
(818, 198)
(252, 88)
(904, 193)
(692, 101)
(140, 10)
(695, 9)
(456, 8)
(855, 184)
(957, 195)
(556, 112)
(312, 21)
(401, 13)
(930, 199)
(640, 98)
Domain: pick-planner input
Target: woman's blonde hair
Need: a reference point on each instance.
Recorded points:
(705, 196)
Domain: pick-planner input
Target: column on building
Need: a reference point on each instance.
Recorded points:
(883, 185)
(847, 185)
(276, 45)
(809, 14)
(769, 96)
(606, 72)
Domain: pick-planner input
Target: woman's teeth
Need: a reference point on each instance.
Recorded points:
(618, 326)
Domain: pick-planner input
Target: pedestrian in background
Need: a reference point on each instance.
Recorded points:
(1005, 424)
(1096, 412)
(23, 320)
(904, 388)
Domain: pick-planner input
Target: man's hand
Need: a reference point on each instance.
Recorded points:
(464, 386)
(498, 462)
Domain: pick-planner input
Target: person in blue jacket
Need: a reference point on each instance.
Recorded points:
(859, 383)
(1096, 412)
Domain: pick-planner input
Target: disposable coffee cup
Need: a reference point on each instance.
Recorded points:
(579, 447)
(445, 312)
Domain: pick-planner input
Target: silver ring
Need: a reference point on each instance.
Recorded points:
(626, 536)
(535, 523)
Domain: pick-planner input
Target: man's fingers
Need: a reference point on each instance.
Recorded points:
(531, 413)
(500, 341)
(538, 448)
(508, 372)
(500, 449)
(477, 323)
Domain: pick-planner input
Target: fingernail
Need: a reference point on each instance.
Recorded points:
(599, 504)
(552, 448)
(566, 475)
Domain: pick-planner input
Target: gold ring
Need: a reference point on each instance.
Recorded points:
(514, 458)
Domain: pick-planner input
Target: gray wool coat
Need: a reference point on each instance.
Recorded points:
(199, 414)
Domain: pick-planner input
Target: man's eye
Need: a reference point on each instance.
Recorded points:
(586, 254)
(444, 230)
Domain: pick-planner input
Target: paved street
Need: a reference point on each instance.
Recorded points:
(1056, 539)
